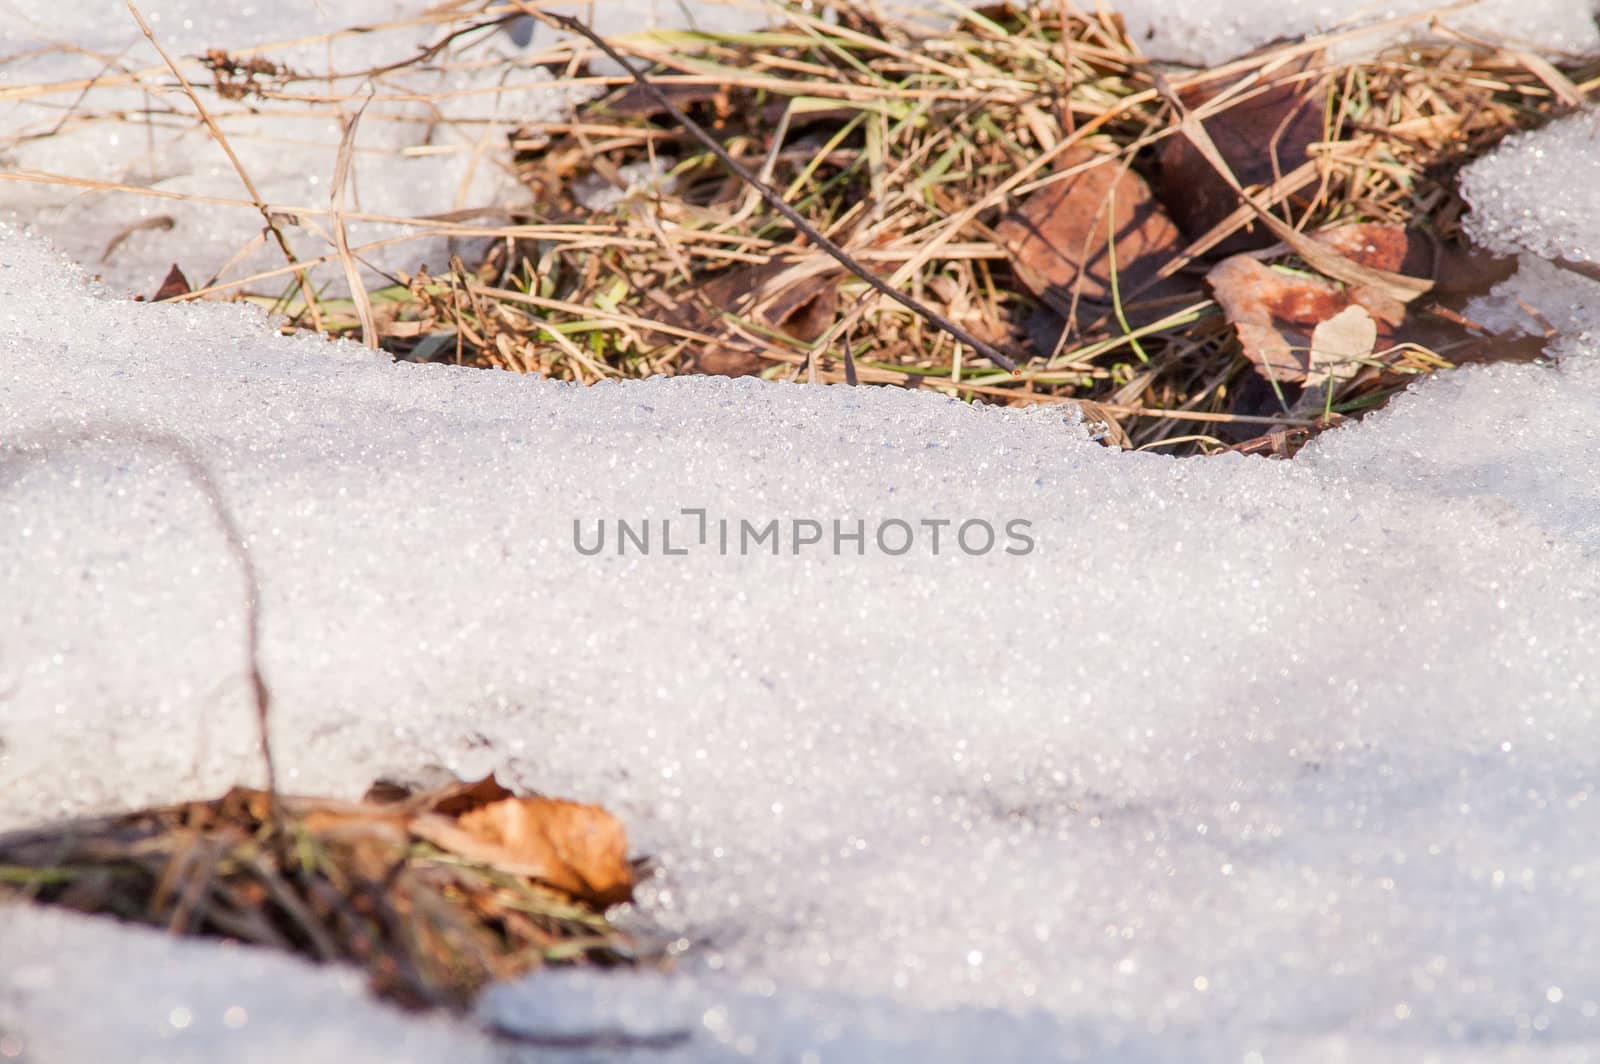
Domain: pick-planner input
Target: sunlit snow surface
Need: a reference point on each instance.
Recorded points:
(1213, 32)
(1246, 760)
(1515, 204)
(431, 139)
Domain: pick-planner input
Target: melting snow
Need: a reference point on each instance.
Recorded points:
(1241, 760)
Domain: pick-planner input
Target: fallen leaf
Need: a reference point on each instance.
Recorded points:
(1349, 335)
(1385, 246)
(635, 102)
(175, 284)
(1338, 346)
(729, 359)
(1059, 237)
(796, 296)
(1376, 245)
(1396, 288)
(580, 849)
(1264, 134)
(1277, 314)
(446, 795)
(335, 880)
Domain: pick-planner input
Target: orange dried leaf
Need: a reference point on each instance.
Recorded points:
(1376, 245)
(451, 798)
(1397, 249)
(457, 798)
(580, 849)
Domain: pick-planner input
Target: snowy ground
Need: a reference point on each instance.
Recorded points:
(1242, 761)
(429, 143)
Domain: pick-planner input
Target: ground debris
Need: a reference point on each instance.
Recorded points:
(1043, 199)
(434, 893)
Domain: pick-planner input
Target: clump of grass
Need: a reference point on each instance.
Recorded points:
(908, 147)
(335, 882)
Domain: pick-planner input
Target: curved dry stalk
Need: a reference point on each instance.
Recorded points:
(39, 445)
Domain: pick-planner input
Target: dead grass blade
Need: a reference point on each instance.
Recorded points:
(774, 200)
(352, 272)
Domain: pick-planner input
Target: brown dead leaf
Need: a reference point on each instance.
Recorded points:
(1058, 239)
(332, 880)
(1377, 245)
(731, 359)
(1263, 135)
(634, 102)
(447, 796)
(1384, 246)
(580, 849)
(1393, 287)
(796, 296)
(175, 284)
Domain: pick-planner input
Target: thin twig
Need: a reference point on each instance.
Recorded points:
(772, 196)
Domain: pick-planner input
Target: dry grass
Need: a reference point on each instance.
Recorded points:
(335, 882)
(908, 148)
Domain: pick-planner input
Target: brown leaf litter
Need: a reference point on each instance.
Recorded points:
(434, 893)
(1113, 261)
(1263, 131)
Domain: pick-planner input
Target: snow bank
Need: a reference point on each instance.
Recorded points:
(1210, 33)
(1235, 737)
(75, 990)
(1515, 205)
(1241, 760)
